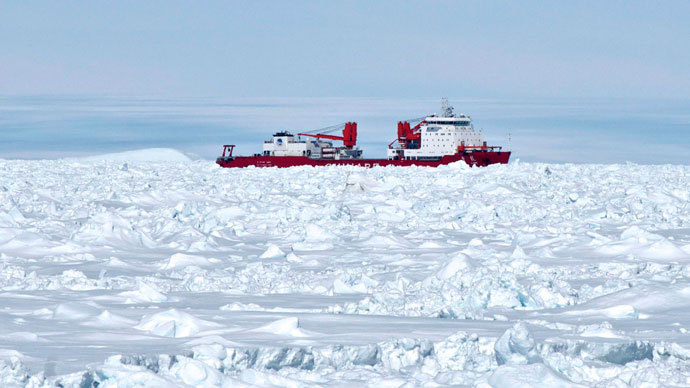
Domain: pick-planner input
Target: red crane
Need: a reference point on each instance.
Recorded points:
(349, 137)
(408, 136)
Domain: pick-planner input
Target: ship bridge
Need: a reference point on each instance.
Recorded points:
(436, 136)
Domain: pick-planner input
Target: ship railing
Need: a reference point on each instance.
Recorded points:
(479, 148)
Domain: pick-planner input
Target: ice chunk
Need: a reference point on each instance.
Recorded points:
(115, 374)
(272, 252)
(293, 258)
(465, 351)
(340, 287)
(16, 215)
(518, 253)
(315, 233)
(547, 297)
(457, 264)
(196, 373)
(504, 297)
(361, 182)
(516, 346)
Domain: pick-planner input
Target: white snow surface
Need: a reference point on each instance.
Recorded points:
(141, 155)
(126, 272)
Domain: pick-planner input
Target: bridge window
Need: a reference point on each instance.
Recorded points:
(460, 123)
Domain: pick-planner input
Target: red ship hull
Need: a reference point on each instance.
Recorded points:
(473, 158)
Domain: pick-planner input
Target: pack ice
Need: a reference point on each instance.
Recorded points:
(151, 269)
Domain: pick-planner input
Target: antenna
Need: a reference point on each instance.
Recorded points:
(446, 108)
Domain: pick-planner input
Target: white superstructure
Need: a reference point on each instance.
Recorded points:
(285, 144)
(438, 136)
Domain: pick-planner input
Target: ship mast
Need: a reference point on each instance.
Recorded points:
(446, 108)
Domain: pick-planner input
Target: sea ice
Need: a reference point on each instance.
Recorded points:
(151, 269)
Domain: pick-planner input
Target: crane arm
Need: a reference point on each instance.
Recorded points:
(321, 136)
(349, 137)
(329, 129)
(419, 121)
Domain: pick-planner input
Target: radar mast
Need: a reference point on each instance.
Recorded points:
(446, 108)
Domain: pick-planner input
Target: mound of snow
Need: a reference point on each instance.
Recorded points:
(459, 165)
(75, 311)
(620, 312)
(385, 241)
(143, 155)
(602, 330)
(430, 245)
(173, 323)
(238, 306)
(453, 266)
(178, 260)
(518, 253)
(106, 319)
(272, 252)
(286, 326)
(528, 376)
(144, 293)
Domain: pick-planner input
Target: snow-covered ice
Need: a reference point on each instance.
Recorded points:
(152, 269)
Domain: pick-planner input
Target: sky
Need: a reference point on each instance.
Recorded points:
(585, 81)
(346, 48)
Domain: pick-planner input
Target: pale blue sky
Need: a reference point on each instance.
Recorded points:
(352, 48)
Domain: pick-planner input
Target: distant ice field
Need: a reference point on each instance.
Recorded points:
(645, 131)
(152, 269)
